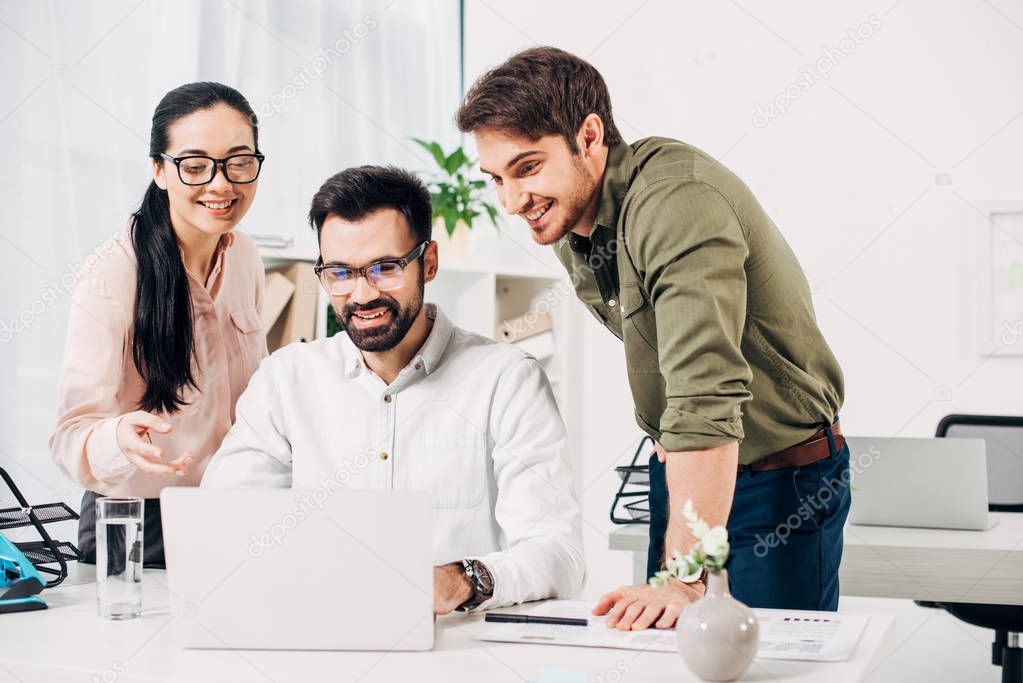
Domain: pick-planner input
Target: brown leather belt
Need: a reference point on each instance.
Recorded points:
(804, 453)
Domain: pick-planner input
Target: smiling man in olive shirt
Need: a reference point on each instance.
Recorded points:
(728, 369)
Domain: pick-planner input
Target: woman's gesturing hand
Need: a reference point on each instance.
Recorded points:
(133, 438)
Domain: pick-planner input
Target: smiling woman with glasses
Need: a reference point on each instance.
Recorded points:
(166, 331)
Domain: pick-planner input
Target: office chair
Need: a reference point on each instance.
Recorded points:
(1003, 436)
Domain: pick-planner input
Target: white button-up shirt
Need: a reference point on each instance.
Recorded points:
(470, 420)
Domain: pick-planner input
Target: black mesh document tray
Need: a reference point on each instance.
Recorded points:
(45, 553)
(633, 494)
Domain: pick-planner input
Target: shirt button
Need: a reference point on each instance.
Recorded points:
(419, 366)
(611, 303)
(387, 398)
(383, 456)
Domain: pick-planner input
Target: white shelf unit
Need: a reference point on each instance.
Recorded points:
(479, 298)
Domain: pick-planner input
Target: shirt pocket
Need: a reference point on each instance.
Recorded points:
(450, 465)
(639, 330)
(250, 338)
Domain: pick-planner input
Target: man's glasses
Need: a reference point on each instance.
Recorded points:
(199, 170)
(383, 275)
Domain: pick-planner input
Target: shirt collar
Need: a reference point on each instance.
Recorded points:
(226, 240)
(430, 354)
(617, 176)
(432, 351)
(223, 244)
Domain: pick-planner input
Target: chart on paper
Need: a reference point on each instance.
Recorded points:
(784, 634)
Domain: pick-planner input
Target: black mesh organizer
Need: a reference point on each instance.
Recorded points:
(634, 492)
(49, 557)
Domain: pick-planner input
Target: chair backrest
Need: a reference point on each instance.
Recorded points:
(1003, 436)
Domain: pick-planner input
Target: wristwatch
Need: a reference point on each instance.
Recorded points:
(695, 577)
(482, 583)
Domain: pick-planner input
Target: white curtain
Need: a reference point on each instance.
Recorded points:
(334, 83)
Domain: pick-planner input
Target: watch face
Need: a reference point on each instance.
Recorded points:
(486, 581)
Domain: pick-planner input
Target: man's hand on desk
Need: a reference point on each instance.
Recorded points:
(640, 607)
(451, 587)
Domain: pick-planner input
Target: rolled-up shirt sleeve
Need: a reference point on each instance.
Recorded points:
(536, 507)
(693, 253)
(84, 445)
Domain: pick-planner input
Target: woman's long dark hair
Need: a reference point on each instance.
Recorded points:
(163, 345)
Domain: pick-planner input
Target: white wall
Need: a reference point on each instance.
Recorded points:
(849, 174)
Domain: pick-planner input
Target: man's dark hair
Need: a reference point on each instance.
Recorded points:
(357, 192)
(540, 91)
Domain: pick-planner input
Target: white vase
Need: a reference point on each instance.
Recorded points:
(718, 636)
(451, 249)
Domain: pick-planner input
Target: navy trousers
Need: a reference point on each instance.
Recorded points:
(785, 531)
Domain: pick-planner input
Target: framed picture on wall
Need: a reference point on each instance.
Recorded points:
(1001, 286)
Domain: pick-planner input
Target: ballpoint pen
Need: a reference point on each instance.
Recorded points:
(528, 619)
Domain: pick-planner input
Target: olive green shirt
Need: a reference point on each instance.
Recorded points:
(721, 340)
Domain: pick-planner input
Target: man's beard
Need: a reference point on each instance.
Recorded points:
(384, 337)
(573, 206)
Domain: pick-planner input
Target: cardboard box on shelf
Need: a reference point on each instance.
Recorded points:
(289, 304)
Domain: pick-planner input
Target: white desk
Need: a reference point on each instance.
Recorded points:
(919, 564)
(68, 642)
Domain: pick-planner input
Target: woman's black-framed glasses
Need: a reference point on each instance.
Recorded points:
(384, 275)
(200, 170)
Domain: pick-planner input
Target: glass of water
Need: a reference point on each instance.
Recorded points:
(119, 535)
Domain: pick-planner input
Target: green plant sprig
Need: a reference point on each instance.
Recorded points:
(454, 195)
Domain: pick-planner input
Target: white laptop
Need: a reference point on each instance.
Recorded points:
(929, 483)
(296, 569)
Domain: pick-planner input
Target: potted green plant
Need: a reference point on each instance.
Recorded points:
(458, 200)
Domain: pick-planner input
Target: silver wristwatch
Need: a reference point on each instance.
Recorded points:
(482, 582)
(695, 577)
